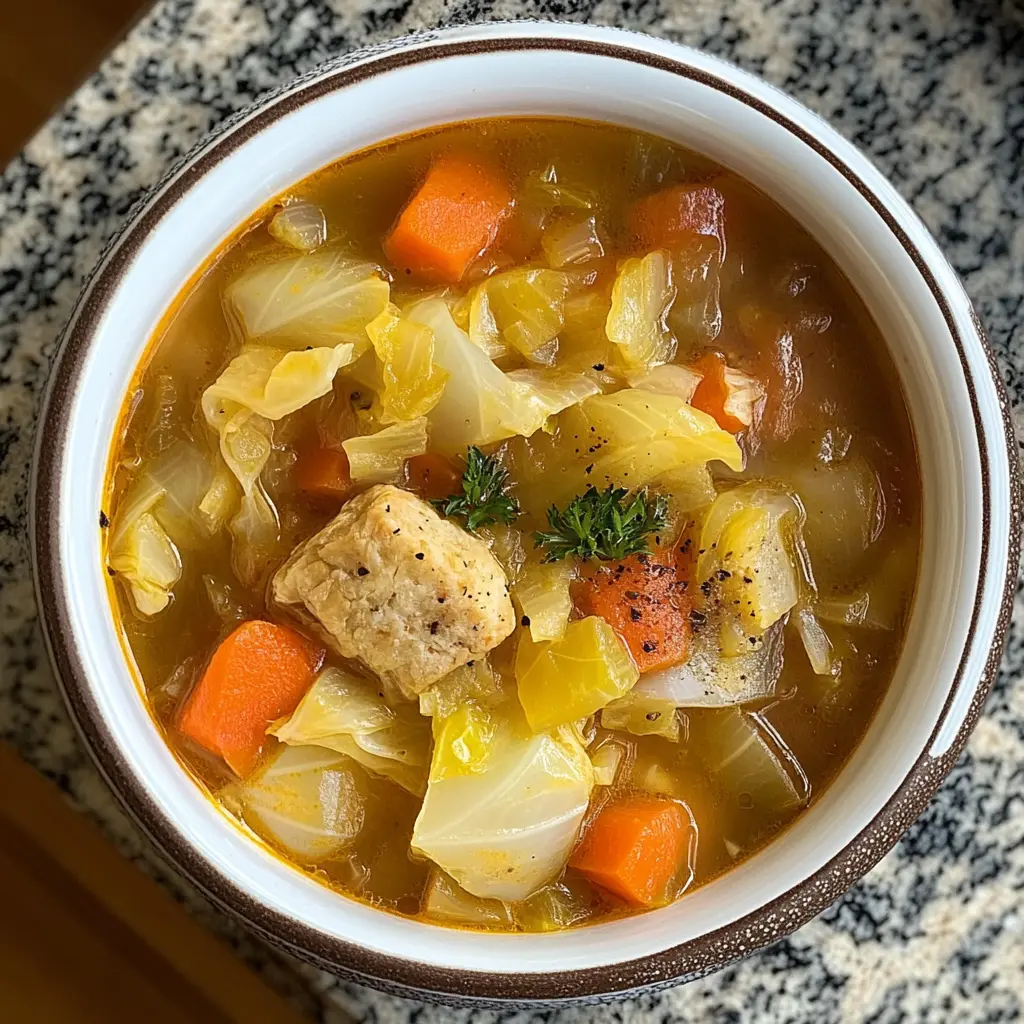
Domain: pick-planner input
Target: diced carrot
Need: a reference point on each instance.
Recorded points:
(433, 475)
(452, 219)
(645, 603)
(258, 674)
(728, 395)
(676, 214)
(324, 471)
(635, 848)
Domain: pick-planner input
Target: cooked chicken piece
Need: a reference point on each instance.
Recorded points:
(392, 584)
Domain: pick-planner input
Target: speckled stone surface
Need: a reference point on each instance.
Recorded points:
(932, 90)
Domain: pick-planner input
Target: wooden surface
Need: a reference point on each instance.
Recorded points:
(46, 48)
(86, 937)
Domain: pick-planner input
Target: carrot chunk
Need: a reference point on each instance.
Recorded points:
(728, 395)
(433, 475)
(677, 214)
(450, 221)
(635, 848)
(645, 603)
(324, 471)
(258, 674)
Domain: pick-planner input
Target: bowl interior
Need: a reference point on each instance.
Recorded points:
(734, 129)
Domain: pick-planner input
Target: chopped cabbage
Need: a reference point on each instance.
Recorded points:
(473, 683)
(344, 712)
(412, 383)
(473, 314)
(380, 458)
(542, 595)
(571, 240)
(507, 829)
(526, 307)
(668, 379)
(710, 678)
(323, 298)
(300, 225)
(544, 189)
(307, 800)
(560, 681)
(642, 714)
(688, 490)
(747, 759)
(273, 382)
(506, 544)
(641, 298)
(480, 404)
(462, 742)
(446, 900)
(746, 543)
(143, 554)
(220, 500)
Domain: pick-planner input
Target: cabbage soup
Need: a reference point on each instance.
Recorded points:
(515, 525)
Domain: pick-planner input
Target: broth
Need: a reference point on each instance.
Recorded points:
(829, 477)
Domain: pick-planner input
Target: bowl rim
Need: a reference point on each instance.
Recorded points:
(684, 962)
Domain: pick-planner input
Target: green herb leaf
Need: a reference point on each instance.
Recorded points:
(483, 500)
(608, 524)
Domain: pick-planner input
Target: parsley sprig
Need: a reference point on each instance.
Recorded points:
(607, 524)
(483, 500)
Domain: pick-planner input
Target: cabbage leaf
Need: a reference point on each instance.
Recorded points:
(380, 458)
(322, 298)
(642, 295)
(542, 595)
(506, 828)
(343, 712)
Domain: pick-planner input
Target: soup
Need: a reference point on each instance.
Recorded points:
(515, 525)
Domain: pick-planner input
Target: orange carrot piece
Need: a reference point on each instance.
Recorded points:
(635, 848)
(725, 394)
(325, 472)
(645, 603)
(433, 476)
(450, 221)
(258, 674)
(677, 214)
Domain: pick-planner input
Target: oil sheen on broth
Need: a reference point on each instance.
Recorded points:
(609, 697)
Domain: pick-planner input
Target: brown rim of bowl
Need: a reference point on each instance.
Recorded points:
(684, 962)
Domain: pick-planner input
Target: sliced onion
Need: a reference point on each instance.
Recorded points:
(711, 680)
(816, 641)
(300, 225)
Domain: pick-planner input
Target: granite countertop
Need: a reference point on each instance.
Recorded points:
(932, 90)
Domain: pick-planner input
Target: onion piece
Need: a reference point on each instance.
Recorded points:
(710, 680)
(300, 225)
(815, 640)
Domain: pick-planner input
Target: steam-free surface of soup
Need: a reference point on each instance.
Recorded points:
(515, 524)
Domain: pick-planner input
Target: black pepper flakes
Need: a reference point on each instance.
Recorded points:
(420, 555)
(652, 716)
(397, 530)
(104, 521)
(649, 646)
(599, 367)
(111, 571)
(434, 627)
(635, 614)
(526, 621)
(362, 571)
(723, 574)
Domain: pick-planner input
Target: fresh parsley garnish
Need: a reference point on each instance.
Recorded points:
(607, 524)
(483, 500)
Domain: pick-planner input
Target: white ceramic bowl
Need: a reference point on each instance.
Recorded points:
(957, 406)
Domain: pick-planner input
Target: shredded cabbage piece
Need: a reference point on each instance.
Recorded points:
(572, 240)
(555, 906)
(668, 379)
(525, 307)
(143, 554)
(307, 800)
(641, 298)
(747, 536)
(300, 225)
(474, 683)
(480, 404)
(321, 298)
(380, 458)
(563, 680)
(412, 383)
(507, 828)
(273, 382)
(344, 712)
(543, 597)
(607, 759)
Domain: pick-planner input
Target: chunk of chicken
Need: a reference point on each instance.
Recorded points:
(392, 584)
